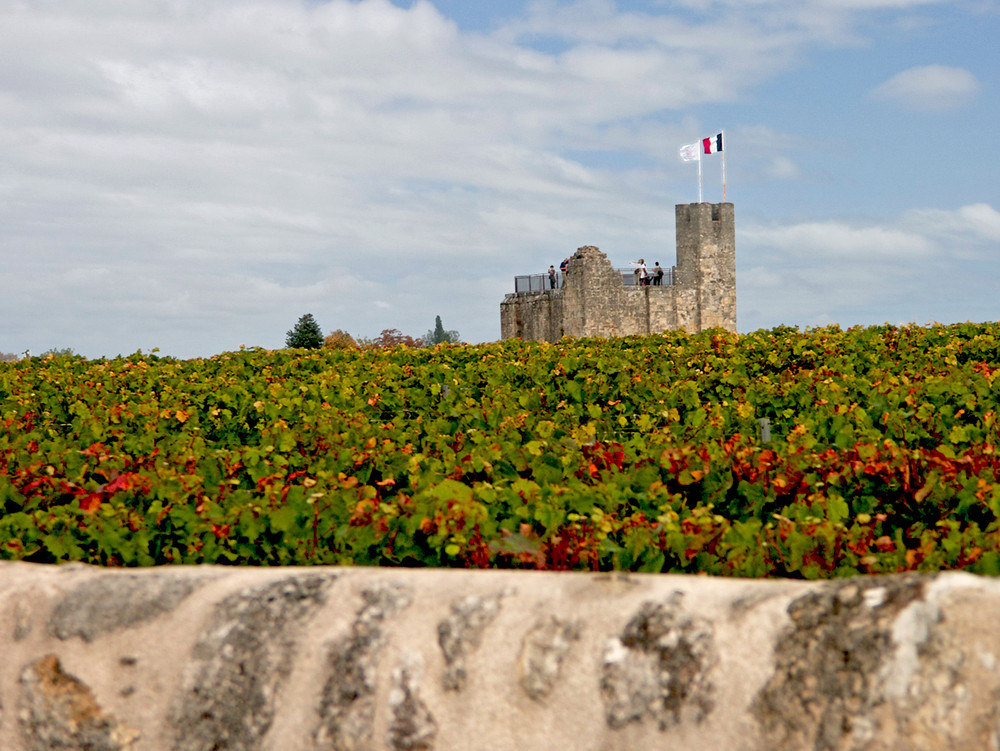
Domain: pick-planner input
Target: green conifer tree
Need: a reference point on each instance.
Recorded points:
(438, 335)
(306, 334)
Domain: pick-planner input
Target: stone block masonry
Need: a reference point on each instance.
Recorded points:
(593, 301)
(244, 659)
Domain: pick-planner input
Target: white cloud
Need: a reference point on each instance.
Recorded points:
(930, 88)
(983, 219)
(215, 168)
(970, 229)
(928, 264)
(840, 241)
(916, 234)
(878, 4)
(783, 168)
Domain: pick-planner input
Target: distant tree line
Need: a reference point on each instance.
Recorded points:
(46, 355)
(307, 334)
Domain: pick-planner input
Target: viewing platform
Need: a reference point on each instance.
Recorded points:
(542, 282)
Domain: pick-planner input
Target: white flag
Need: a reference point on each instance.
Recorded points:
(691, 152)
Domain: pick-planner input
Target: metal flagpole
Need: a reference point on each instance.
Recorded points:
(700, 149)
(723, 133)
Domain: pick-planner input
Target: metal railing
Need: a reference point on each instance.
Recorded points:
(631, 279)
(537, 282)
(543, 283)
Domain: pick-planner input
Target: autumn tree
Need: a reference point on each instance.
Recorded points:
(58, 352)
(393, 338)
(339, 339)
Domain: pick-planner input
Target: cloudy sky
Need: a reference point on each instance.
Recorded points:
(194, 175)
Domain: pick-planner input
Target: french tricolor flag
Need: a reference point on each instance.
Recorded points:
(711, 145)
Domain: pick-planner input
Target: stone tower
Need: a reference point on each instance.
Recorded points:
(595, 299)
(706, 266)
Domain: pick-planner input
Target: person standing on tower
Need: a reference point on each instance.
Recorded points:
(641, 271)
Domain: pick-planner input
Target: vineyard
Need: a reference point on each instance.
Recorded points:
(776, 453)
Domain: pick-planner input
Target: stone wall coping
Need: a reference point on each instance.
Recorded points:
(213, 657)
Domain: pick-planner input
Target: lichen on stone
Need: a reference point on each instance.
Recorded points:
(347, 702)
(659, 667)
(411, 726)
(461, 633)
(244, 653)
(58, 711)
(833, 664)
(542, 653)
(116, 601)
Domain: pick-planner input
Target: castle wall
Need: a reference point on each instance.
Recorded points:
(594, 302)
(662, 302)
(533, 316)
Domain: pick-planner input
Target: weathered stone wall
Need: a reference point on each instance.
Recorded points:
(213, 658)
(594, 302)
(663, 304)
(536, 317)
(706, 264)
